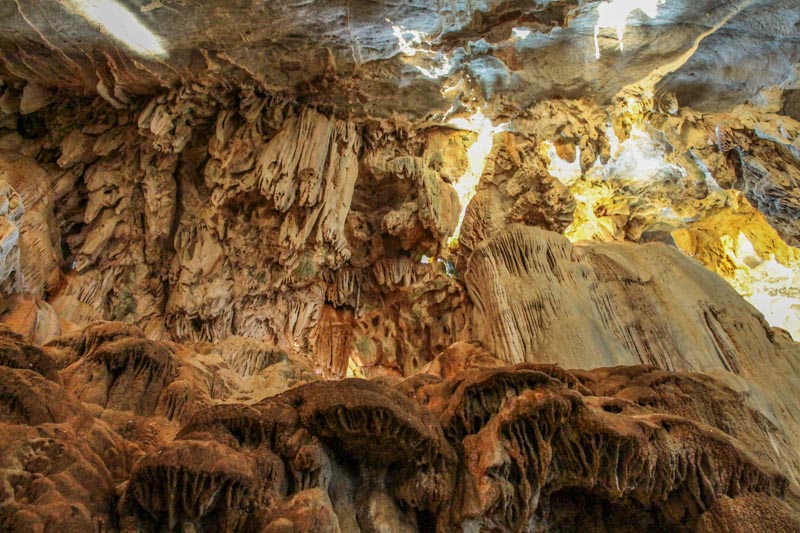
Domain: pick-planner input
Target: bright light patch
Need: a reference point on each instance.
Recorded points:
(563, 170)
(637, 164)
(746, 248)
(615, 13)
(413, 43)
(771, 287)
(445, 65)
(408, 40)
(778, 310)
(476, 155)
(640, 160)
(521, 33)
(613, 140)
(115, 20)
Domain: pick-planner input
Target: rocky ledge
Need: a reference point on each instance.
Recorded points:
(104, 430)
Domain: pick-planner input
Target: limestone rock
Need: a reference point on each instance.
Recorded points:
(12, 211)
(516, 189)
(40, 253)
(325, 266)
(480, 445)
(60, 465)
(538, 282)
(33, 318)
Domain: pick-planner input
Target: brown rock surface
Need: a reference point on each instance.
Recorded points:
(325, 266)
(507, 448)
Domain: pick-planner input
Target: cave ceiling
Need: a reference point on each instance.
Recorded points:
(419, 59)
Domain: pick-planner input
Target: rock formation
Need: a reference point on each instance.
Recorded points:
(109, 431)
(427, 266)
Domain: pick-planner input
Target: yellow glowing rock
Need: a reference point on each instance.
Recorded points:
(740, 245)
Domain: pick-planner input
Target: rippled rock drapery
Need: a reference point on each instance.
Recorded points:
(12, 212)
(209, 211)
(471, 444)
(258, 217)
(612, 290)
(614, 304)
(323, 266)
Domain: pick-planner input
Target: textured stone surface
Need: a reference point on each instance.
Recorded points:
(471, 444)
(322, 266)
(540, 299)
(385, 58)
(217, 210)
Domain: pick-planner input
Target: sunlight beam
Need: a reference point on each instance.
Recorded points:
(477, 154)
(116, 21)
(614, 14)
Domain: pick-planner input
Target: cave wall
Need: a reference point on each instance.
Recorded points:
(106, 430)
(209, 212)
(201, 216)
(212, 213)
(244, 245)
